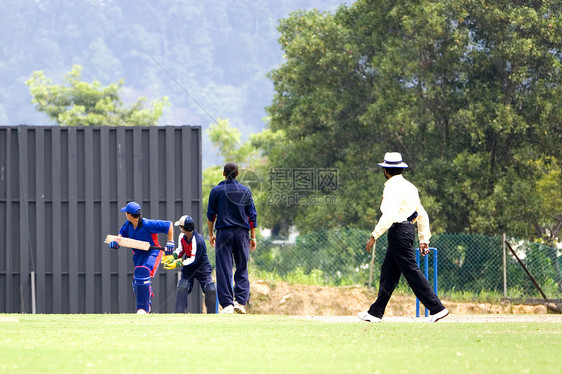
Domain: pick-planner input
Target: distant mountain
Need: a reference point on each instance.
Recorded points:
(209, 57)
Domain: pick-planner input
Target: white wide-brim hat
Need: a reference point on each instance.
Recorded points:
(393, 160)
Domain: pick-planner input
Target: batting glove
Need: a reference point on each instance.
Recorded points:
(170, 247)
(113, 245)
(173, 265)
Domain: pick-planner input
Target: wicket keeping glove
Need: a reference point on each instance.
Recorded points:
(173, 265)
(113, 245)
(167, 259)
(170, 247)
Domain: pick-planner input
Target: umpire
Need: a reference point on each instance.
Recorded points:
(401, 208)
(232, 213)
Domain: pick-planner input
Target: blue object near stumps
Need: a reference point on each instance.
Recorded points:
(426, 271)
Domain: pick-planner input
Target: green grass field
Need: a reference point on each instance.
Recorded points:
(171, 343)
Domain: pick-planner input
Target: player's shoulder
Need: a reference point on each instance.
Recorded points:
(401, 180)
(410, 184)
(155, 222)
(200, 239)
(147, 222)
(198, 236)
(239, 187)
(219, 186)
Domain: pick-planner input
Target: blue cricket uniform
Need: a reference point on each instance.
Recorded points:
(146, 262)
(147, 230)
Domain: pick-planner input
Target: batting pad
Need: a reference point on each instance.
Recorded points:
(141, 285)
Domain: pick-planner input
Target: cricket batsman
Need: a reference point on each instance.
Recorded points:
(146, 262)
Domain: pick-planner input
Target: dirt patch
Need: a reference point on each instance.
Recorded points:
(302, 300)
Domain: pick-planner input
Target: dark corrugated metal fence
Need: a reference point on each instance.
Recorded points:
(61, 190)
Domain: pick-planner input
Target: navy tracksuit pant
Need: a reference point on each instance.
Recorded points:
(232, 243)
(400, 258)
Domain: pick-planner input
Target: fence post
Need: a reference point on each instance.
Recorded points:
(526, 271)
(33, 299)
(504, 249)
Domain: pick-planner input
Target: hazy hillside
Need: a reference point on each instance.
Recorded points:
(214, 52)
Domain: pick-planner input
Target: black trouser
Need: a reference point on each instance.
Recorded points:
(400, 258)
(232, 243)
(185, 286)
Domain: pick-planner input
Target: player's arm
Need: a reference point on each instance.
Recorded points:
(252, 220)
(210, 226)
(211, 217)
(170, 245)
(424, 233)
(389, 207)
(370, 243)
(200, 248)
(171, 232)
(115, 244)
(253, 243)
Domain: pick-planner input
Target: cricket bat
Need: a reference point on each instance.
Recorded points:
(131, 243)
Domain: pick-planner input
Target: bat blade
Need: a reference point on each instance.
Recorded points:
(128, 242)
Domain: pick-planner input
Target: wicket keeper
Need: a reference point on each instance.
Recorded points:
(191, 257)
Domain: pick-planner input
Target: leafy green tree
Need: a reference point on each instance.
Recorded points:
(469, 92)
(252, 165)
(227, 140)
(89, 104)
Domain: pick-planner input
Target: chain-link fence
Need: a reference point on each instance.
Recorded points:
(467, 264)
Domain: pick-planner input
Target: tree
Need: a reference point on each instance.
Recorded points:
(89, 104)
(252, 165)
(468, 92)
(534, 206)
(227, 140)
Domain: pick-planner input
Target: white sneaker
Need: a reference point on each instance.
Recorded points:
(228, 309)
(239, 308)
(437, 316)
(365, 316)
(142, 311)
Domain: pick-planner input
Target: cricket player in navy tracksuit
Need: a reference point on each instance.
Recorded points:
(145, 262)
(191, 257)
(232, 213)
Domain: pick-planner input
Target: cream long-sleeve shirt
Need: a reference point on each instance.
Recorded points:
(400, 199)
